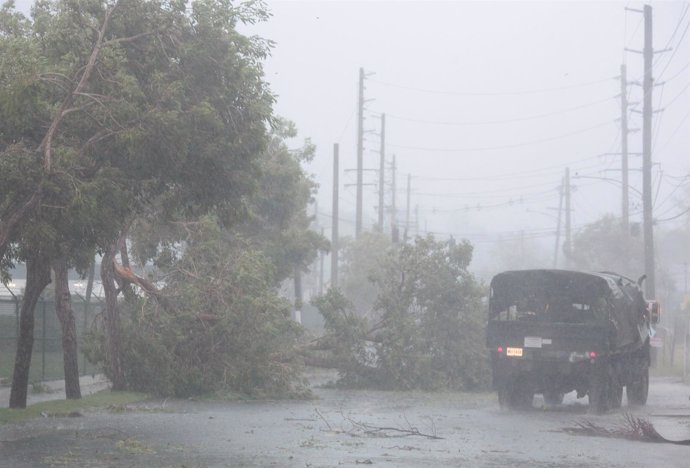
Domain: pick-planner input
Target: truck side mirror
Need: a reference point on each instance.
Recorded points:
(654, 311)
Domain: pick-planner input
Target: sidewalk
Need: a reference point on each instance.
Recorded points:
(89, 384)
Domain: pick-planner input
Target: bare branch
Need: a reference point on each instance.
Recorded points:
(46, 146)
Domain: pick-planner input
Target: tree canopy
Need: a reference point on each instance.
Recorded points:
(427, 331)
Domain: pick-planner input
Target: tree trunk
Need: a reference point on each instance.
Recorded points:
(63, 307)
(113, 334)
(37, 278)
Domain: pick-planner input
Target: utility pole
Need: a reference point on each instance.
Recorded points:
(394, 225)
(360, 152)
(558, 225)
(321, 269)
(647, 86)
(407, 211)
(567, 248)
(334, 219)
(382, 169)
(647, 111)
(625, 213)
(297, 315)
(416, 220)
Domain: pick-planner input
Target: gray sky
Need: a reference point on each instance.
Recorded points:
(500, 96)
(486, 103)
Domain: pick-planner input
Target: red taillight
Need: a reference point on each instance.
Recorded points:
(500, 350)
(592, 355)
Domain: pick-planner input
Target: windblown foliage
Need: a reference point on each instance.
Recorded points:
(221, 328)
(429, 327)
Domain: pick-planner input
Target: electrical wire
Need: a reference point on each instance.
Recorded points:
(673, 217)
(511, 175)
(500, 147)
(680, 125)
(675, 50)
(682, 91)
(678, 73)
(499, 93)
(500, 121)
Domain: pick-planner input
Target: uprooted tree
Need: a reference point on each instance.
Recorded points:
(224, 328)
(215, 323)
(124, 111)
(426, 330)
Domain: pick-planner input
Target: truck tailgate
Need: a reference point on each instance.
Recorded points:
(547, 336)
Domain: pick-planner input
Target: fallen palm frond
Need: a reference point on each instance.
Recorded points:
(631, 428)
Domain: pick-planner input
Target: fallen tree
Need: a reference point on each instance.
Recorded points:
(426, 328)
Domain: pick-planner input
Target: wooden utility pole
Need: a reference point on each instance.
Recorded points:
(567, 247)
(647, 86)
(407, 208)
(394, 222)
(360, 152)
(416, 220)
(297, 314)
(625, 213)
(558, 224)
(382, 170)
(334, 219)
(321, 255)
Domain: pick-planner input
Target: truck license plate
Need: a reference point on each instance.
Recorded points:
(517, 352)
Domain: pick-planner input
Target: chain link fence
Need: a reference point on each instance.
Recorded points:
(46, 360)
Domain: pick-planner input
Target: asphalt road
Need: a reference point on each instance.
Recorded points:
(347, 428)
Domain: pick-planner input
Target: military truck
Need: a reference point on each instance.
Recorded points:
(557, 331)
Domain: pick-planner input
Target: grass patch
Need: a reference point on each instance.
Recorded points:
(101, 400)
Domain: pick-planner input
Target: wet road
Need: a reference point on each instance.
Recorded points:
(341, 428)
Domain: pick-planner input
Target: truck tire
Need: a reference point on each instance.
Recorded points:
(638, 389)
(599, 390)
(553, 397)
(515, 394)
(615, 395)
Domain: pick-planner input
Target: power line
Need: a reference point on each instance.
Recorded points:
(677, 96)
(680, 125)
(673, 34)
(511, 175)
(500, 121)
(682, 69)
(673, 217)
(500, 147)
(673, 54)
(498, 93)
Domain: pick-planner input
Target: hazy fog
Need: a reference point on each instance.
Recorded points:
(487, 103)
(500, 96)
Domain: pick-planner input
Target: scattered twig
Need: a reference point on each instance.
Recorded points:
(388, 431)
(323, 419)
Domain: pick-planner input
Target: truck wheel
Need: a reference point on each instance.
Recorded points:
(552, 397)
(504, 396)
(522, 396)
(638, 389)
(599, 383)
(515, 394)
(615, 395)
